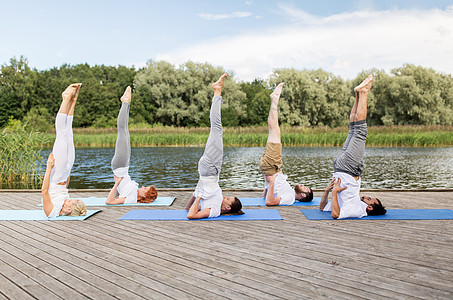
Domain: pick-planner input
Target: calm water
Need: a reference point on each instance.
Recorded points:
(176, 167)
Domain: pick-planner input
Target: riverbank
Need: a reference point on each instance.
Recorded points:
(291, 258)
(379, 136)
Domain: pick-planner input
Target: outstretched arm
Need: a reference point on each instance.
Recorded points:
(47, 204)
(270, 199)
(195, 213)
(325, 195)
(335, 207)
(111, 197)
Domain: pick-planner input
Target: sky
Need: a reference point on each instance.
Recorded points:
(248, 38)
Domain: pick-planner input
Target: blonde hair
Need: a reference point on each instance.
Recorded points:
(78, 209)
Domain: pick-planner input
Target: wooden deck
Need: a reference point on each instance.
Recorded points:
(104, 258)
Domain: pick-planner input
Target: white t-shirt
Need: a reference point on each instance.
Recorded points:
(282, 189)
(58, 195)
(211, 194)
(349, 199)
(127, 188)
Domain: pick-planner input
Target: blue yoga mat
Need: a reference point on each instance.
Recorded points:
(392, 214)
(170, 214)
(262, 202)
(95, 201)
(39, 215)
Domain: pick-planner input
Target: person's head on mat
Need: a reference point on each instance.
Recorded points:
(73, 207)
(375, 207)
(303, 193)
(146, 194)
(231, 205)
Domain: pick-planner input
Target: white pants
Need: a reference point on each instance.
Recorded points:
(63, 149)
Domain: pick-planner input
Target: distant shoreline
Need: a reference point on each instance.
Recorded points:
(378, 136)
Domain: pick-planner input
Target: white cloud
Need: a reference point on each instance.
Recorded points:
(344, 44)
(213, 17)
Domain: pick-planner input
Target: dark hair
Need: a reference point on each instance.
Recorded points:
(307, 196)
(236, 207)
(378, 209)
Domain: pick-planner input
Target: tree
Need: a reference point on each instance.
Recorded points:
(182, 96)
(413, 95)
(102, 87)
(17, 83)
(312, 97)
(257, 102)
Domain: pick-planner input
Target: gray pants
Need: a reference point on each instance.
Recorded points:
(350, 160)
(210, 163)
(123, 143)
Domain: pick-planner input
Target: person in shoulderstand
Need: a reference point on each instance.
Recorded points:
(345, 185)
(277, 190)
(54, 190)
(126, 190)
(207, 200)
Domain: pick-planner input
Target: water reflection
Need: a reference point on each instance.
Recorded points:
(176, 167)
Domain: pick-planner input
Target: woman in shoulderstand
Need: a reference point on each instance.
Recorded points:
(55, 196)
(208, 201)
(125, 189)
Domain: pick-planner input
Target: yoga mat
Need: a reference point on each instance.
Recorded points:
(392, 214)
(170, 214)
(39, 215)
(95, 201)
(262, 202)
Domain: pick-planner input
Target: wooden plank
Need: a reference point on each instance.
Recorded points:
(57, 267)
(293, 258)
(239, 287)
(17, 272)
(9, 290)
(120, 285)
(250, 268)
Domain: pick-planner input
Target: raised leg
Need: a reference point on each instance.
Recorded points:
(63, 129)
(272, 120)
(362, 91)
(123, 146)
(210, 163)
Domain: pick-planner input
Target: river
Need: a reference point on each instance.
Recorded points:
(176, 167)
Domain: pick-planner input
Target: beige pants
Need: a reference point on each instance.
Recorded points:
(271, 161)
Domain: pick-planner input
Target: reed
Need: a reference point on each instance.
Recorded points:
(20, 158)
(388, 136)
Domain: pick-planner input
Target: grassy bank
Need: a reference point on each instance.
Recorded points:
(391, 136)
(20, 158)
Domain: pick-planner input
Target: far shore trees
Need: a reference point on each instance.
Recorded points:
(177, 95)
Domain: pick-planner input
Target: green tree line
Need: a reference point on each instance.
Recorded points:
(166, 94)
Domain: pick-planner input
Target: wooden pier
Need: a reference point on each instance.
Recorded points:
(105, 258)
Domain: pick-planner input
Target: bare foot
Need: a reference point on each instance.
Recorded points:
(76, 93)
(69, 92)
(365, 86)
(218, 85)
(127, 95)
(276, 93)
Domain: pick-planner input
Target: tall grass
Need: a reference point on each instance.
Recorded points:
(20, 158)
(389, 136)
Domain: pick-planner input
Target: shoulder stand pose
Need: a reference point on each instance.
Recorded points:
(207, 201)
(125, 190)
(277, 190)
(55, 196)
(345, 186)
